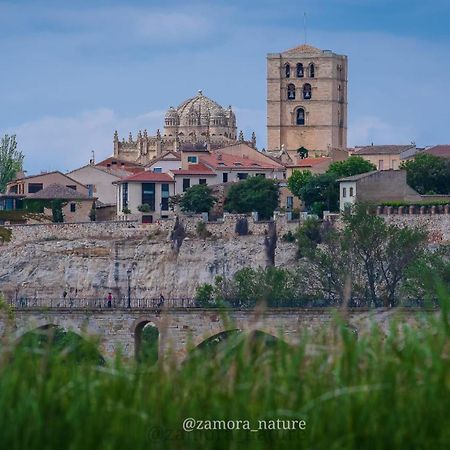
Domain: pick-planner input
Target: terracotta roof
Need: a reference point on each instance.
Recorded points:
(382, 149)
(121, 164)
(110, 159)
(195, 169)
(443, 151)
(145, 176)
(220, 160)
(59, 192)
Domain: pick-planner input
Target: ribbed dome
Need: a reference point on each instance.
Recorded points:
(171, 113)
(201, 107)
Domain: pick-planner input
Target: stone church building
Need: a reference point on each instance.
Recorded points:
(306, 101)
(306, 107)
(198, 122)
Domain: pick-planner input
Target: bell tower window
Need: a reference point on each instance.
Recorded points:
(300, 116)
(291, 92)
(312, 70)
(300, 72)
(307, 92)
(287, 71)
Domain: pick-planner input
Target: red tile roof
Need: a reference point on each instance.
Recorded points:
(121, 164)
(443, 151)
(147, 176)
(195, 169)
(220, 160)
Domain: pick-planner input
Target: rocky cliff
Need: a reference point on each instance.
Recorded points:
(45, 263)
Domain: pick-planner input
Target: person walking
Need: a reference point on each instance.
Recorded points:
(161, 300)
(109, 300)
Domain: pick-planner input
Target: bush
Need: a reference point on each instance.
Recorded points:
(201, 230)
(288, 237)
(5, 234)
(144, 208)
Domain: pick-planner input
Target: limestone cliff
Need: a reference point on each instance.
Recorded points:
(90, 265)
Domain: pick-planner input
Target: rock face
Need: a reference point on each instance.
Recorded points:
(47, 265)
(92, 259)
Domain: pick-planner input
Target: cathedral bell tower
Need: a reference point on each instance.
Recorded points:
(307, 100)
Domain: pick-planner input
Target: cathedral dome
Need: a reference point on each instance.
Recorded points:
(171, 118)
(201, 107)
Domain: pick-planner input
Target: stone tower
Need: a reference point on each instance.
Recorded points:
(306, 100)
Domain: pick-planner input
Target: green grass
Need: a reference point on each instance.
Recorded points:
(371, 391)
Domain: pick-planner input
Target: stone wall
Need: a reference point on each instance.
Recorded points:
(438, 226)
(134, 230)
(68, 231)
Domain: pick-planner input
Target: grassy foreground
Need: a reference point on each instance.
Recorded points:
(367, 392)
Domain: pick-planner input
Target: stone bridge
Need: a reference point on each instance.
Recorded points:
(182, 328)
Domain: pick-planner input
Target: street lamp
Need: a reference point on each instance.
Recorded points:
(129, 287)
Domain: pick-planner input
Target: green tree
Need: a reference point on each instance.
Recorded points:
(11, 160)
(197, 199)
(368, 260)
(57, 210)
(353, 165)
(253, 194)
(298, 180)
(428, 174)
(321, 192)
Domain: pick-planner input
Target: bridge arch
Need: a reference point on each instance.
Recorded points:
(146, 340)
(76, 345)
(236, 337)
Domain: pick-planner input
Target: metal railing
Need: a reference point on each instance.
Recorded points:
(100, 303)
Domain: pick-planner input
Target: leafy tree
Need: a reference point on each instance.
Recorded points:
(57, 213)
(298, 180)
(428, 174)
(198, 199)
(273, 286)
(253, 194)
(11, 160)
(368, 261)
(322, 189)
(320, 192)
(353, 165)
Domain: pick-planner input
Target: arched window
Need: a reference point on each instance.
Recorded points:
(300, 72)
(291, 92)
(287, 70)
(307, 93)
(312, 70)
(300, 116)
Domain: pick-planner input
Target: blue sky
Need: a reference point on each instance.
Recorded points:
(74, 71)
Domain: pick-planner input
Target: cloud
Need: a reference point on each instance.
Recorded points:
(371, 129)
(64, 143)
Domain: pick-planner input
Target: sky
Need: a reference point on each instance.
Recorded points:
(72, 72)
